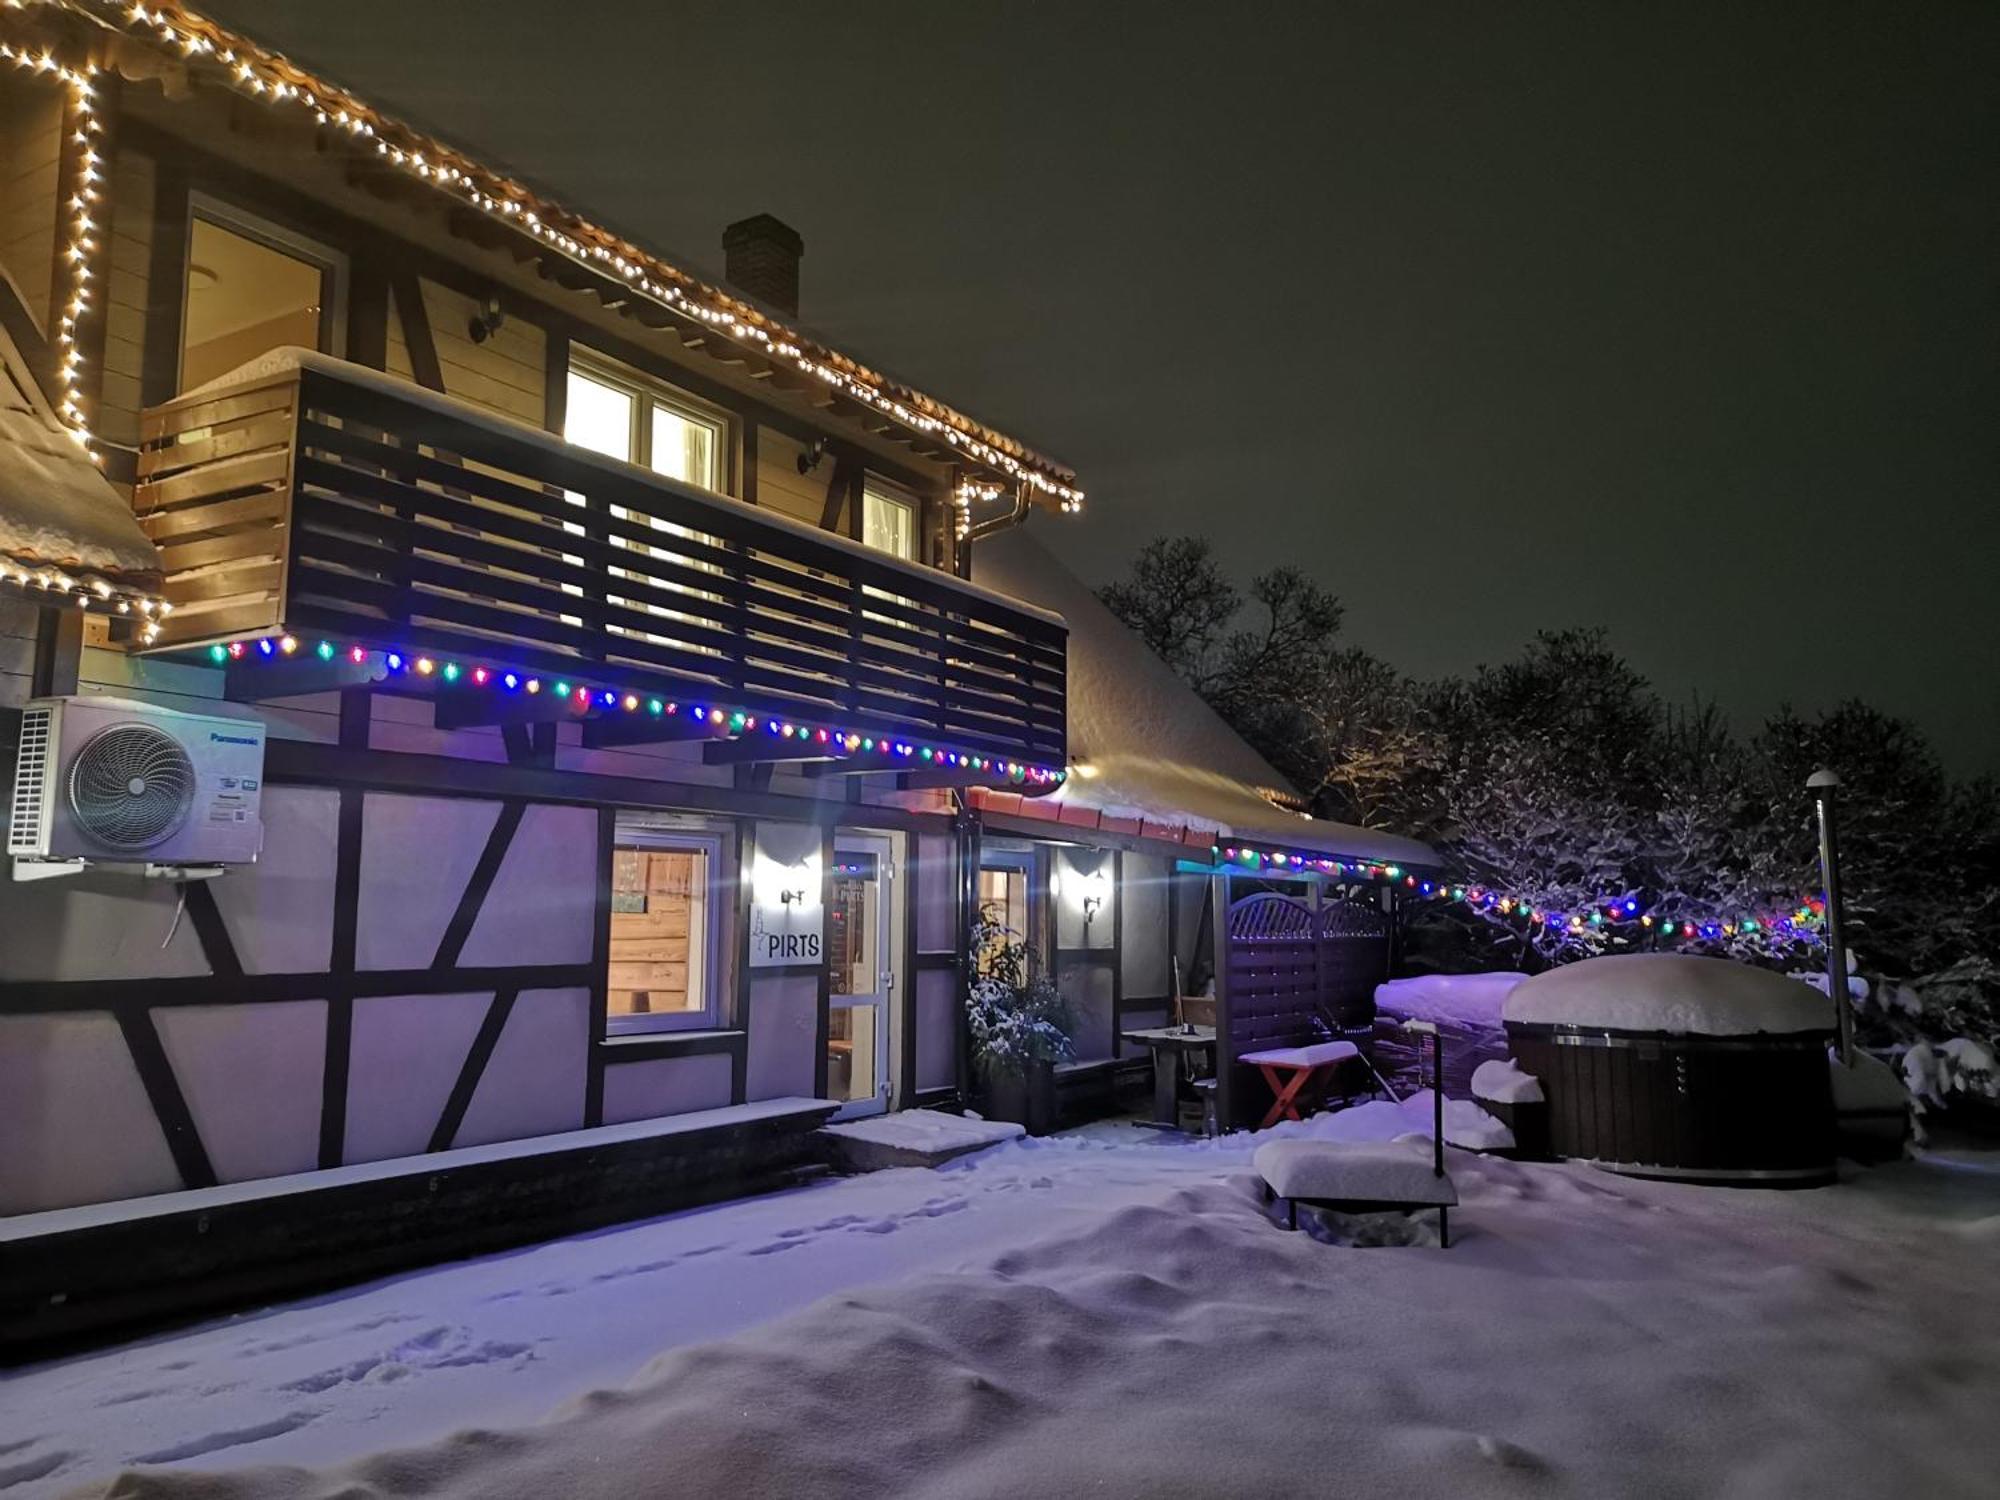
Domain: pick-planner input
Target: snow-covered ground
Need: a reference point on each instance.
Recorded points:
(1107, 1312)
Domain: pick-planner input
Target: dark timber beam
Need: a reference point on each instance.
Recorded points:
(408, 295)
(758, 747)
(467, 705)
(644, 729)
(921, 781)
(259, 679)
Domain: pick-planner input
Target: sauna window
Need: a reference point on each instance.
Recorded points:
(664, 951)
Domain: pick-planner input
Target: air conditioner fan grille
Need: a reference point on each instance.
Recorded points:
(130, 786)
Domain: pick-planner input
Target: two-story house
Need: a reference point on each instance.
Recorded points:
(641, 719)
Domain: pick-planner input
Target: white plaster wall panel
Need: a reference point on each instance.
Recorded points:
(279, 911)
(94, 926)
(788, 844)
(543, 903)
(534, 1082)
(75, 1124)
(1088, 989)
(251, 1075)
(416, 855)
(1082, 873)
(1143, 929)
(936, 1028)
(406, 1054)
(784, 1027)
(935, 897)
(665, 1086)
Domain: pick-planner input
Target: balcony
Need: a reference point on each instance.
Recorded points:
(322, 525)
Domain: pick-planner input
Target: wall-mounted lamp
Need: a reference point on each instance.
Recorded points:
(809, 460)
(1096, 886)
(487, 321)
(784, 885)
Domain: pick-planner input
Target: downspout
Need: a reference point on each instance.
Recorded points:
(1016, 514)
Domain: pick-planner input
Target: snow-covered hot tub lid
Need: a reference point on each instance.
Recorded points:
(1673, 993)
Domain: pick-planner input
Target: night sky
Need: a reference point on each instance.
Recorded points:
(1675, 319)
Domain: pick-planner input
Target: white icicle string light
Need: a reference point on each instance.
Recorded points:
(598, 249)
(968, 492)
(80, 232)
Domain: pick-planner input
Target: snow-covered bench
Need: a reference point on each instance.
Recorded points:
(1363, 1176)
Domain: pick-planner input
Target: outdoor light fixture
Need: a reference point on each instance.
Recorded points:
(784, 885)
(488, 321)
(1095, 888)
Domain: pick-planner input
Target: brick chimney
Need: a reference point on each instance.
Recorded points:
(761, 256)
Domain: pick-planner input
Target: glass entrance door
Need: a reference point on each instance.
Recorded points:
(858, 949)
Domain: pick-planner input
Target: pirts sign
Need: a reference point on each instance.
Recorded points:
(787, 919)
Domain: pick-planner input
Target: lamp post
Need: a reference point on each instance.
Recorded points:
(1824, 785)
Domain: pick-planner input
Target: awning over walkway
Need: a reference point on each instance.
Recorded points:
(65, 532)
(1147, 756)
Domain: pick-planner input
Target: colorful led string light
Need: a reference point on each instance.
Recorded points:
(724, 723)
(1304, 864)
(1801, 923)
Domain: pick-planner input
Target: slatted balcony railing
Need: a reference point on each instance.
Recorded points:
(334, 503)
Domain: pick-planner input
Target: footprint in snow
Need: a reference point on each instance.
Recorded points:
(233, 1437)
(28, 1470)
(774, 1247)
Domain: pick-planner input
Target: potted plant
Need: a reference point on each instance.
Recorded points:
(1021, 1028)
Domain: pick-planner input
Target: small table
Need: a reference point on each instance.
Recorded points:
(1174, 1050)
(1290, 1070)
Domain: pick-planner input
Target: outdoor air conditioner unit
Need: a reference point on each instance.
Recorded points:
(102, 781)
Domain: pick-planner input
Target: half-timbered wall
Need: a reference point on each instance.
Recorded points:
(504, 373)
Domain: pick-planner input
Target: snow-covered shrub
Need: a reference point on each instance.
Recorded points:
(1016, 1016)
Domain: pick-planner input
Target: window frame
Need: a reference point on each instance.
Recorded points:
(247, 224)
(648, 392)
(636, 830)
(874, 487)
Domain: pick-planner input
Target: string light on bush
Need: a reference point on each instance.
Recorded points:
(264, 75)
(1620, 914)
(721, 723)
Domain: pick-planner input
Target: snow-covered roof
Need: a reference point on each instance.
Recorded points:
(60, 519)
(1143, 747)
(1679, 993)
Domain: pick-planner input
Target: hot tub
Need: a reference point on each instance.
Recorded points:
(1668, 1065)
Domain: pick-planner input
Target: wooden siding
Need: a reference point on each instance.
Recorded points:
(128, 291)
(780, 485)
(503, 374)
(30, 147)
